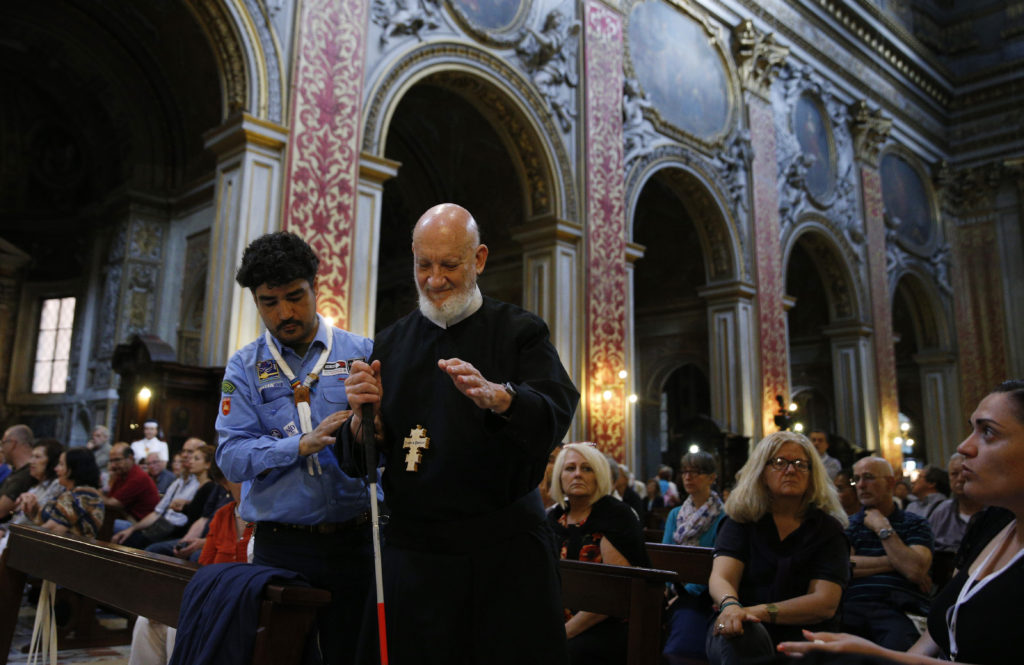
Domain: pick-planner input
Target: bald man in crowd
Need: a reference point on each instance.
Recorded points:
(891, 553)
(17, 450)
(471, 398)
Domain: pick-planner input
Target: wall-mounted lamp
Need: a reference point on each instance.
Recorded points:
(782, 417)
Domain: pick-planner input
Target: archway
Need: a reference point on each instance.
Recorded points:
(450, 151)
(104, 176)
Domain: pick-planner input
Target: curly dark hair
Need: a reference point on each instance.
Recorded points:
(275, 259)
(53, 449)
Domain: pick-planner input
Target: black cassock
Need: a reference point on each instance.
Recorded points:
(470, 568)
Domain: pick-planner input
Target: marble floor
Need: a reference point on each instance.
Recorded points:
(99, 656)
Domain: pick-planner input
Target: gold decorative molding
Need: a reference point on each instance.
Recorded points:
(870, 130)
(218, 26)
(758, 56)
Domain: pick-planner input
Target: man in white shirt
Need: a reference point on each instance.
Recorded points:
(150, 443)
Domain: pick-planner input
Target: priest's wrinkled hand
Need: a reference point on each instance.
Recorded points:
(473, 385)
(324, 433)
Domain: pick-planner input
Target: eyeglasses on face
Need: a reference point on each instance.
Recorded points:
(693, 472)
(780, 464)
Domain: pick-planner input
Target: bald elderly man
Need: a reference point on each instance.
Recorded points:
(471, 398)
(891, 553)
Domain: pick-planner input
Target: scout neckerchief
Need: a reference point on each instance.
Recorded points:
(301, 390)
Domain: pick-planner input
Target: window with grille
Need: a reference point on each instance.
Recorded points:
(53, 345)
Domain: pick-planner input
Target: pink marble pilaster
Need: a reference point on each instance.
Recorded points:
(323, 153)
(606, 227)
(768, 256)
(881, 314)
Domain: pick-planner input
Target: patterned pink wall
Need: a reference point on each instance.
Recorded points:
(980, 318)
(323, 152)
(768, 253)
(606, 226)
(881, 314)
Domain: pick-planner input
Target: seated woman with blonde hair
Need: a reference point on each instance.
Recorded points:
(591, 525)
(781, 557)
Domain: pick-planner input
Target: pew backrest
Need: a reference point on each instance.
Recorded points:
(692, 565)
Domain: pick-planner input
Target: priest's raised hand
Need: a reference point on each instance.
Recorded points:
(471, 383)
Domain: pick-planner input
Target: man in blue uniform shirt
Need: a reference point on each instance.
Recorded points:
(282, 400)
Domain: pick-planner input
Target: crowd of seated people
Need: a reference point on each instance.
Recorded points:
(798, 556)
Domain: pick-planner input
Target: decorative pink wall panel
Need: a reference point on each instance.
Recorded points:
(980, 319)
(768, 252)
(606, 227)
(323, 152)
(881, 314)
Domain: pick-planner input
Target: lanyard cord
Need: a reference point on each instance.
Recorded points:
(972, 586)
(302, 389)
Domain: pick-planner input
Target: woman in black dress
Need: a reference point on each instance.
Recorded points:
(591, 525)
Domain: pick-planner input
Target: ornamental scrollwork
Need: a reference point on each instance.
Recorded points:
(759, 57)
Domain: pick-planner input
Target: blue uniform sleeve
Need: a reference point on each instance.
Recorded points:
(247, 447)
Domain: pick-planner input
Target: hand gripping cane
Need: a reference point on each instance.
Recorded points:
(370, 448)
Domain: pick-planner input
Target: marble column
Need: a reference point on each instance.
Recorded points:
(606, 288)
(870, 130)
(758, 57)
(852, 373)
(373, 173)
(323, 178)
(551, 289)
(248, 195)
(731, 330)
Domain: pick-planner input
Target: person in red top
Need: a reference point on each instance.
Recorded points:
(226, 542)
(131, 488)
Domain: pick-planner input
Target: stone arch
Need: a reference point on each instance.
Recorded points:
(930, 315)
(248, 57)
(703, 198)
(500, 93)
(835, 262)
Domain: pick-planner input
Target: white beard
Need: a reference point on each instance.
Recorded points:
(456, 307)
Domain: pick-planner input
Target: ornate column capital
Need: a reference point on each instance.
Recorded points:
(758, 56)
(870, 130)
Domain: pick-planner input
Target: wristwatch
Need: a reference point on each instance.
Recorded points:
(773, 611)
(884, 533)
(512, 393)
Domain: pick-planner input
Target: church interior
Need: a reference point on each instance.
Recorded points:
(734, 215)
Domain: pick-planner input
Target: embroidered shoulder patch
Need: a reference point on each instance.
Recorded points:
(266, 369)
(227, 387)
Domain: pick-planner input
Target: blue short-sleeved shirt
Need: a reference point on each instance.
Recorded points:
(259, 431)
(912, 530)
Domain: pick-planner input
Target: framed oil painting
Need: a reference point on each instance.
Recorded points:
(814, 134)
(909, 203)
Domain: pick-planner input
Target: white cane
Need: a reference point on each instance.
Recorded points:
(371, 477)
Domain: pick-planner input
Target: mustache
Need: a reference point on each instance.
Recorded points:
(289, 322)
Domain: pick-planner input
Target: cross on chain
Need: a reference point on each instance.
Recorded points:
(415, 443)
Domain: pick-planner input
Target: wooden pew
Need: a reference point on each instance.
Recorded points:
(692, 565)
(140, 583)
(636, 594)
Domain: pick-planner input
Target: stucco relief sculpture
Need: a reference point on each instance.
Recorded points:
(733, 166)
(405, 17)
(637, 131)
(758, 56)
(549, 57)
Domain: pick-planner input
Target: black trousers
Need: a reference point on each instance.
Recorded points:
(342, 563)
(497, 604)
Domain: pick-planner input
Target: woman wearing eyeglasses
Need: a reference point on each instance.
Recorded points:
(781, 558)
(694, 523)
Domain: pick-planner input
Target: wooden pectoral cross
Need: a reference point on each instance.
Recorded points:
(415, 443)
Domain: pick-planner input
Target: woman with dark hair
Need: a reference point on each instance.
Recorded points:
(781, 557)
(974, 617)
(79, 509)
(694, 523)
(42, 467)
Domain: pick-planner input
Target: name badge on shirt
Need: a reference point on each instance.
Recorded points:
(334, 368)
(290, 429)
